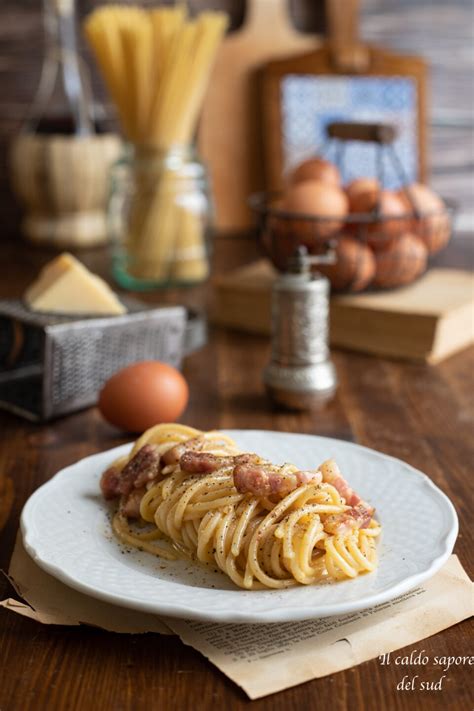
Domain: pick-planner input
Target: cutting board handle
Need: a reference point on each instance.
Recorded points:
(268, 17)
(381, 133)
(347, 52)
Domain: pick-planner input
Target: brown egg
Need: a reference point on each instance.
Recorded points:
(433, 224)
(402, 262)
(355, 265)
(142, 395)
(315, 169)
(380, 233)
(359, 186)
(318, 199)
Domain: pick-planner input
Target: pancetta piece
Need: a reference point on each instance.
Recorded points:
(143, 468)
(174, 454)
(262, 479)
(130, 504)
(332, 475)
(343, 523)
(109, 483)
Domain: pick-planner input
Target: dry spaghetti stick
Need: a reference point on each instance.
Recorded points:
(131, 24)
(114, 20)
(167, 24)
(154, 250)
(211, 30)
(137, 41)
(165, 116)
(190, 259)
(104, 39)
(127, 42)
(208, 29)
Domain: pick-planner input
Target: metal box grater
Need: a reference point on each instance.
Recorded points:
(51, 365)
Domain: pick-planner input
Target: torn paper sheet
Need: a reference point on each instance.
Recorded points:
(53, 603)
(263, 659)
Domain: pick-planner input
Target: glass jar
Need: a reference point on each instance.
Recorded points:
(159, 219)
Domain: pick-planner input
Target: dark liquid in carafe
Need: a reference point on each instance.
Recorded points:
(64, 125)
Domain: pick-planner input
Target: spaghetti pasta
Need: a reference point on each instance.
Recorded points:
(156, 65)
(204, 505)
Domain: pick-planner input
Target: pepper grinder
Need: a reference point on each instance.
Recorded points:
(300, 374)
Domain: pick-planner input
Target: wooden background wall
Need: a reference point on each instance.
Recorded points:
(441, 31)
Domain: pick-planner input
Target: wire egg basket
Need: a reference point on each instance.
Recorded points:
(377, 249)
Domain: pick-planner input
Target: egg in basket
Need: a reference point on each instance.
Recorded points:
(381, 238)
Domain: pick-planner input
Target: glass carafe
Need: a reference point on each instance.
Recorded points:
(59, 162)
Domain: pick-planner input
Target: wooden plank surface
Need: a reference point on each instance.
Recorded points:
(443, 34)
(424, 415)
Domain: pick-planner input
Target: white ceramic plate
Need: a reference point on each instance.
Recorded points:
(66, 529)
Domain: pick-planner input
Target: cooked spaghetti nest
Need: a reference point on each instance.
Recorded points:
(259, 542)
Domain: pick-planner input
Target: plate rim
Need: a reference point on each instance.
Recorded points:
(233, 615)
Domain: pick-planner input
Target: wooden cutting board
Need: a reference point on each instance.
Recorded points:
(343, 79)
(425, 321)
(229, 133)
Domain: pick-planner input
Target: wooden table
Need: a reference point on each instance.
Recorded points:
(423, 415)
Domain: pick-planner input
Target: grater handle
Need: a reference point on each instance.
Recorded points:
(348, 54)
(382, 133)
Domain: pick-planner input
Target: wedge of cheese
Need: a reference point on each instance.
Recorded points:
(65, 286)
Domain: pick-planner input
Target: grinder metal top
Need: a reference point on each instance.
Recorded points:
(300, 373)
